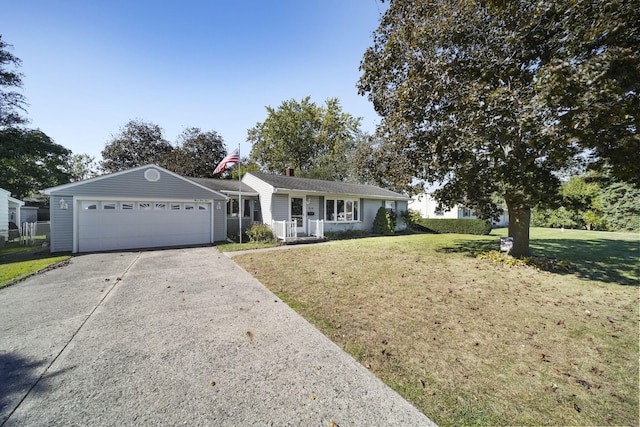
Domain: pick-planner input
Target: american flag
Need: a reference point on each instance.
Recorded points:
(234, 157)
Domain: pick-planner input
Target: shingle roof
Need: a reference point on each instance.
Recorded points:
(226, 186)
(308, 185)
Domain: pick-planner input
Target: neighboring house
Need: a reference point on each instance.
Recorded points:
(428, 208)
(9, 212)
(143, 207)
(341, 206)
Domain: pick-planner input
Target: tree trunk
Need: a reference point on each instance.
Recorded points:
(519, 221)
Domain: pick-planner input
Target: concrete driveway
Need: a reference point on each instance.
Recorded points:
(180, 336)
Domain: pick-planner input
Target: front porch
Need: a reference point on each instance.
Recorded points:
(287, 232)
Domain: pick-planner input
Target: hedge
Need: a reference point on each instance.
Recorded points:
(460, 226)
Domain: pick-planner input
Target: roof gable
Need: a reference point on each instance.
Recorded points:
(308, 185)
(148, 180)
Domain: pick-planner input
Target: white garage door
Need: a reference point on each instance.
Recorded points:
(114, 225)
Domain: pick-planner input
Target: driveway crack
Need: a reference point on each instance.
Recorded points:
(64, 347)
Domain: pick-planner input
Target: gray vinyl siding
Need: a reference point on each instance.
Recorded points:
(369, 210)
(219, 221)
(280, 207)
(61, 224)
(401, 207)
(133, 184)
(316, 207)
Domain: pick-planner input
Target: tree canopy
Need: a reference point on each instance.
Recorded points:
(31, 161)
(197, 153)
(12, 103)
(138, 143)
(315, 140)
(491, 98)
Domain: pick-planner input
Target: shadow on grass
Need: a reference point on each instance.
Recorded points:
(611, 261)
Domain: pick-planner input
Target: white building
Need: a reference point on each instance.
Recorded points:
(428, 208)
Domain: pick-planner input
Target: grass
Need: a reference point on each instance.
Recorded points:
(234, 247)
(19, 261)
(471, 342)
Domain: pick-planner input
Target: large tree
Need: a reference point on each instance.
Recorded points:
(197, 153)
(138, 143)
(12, 103)
(315, 140)
(493, 98)
(30, 161)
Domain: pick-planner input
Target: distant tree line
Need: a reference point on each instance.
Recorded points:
(592, 202)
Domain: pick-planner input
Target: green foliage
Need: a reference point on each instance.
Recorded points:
(382, 224)
(621, 206)
(462, 226)
(411, 217)
(593, 203)
(12, 103)
(30, 161)
(138, 143)
(497, 97)
(82, 166)
(259, 232)
(315, 140)
(196, 154)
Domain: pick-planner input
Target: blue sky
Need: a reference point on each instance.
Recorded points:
(91, 66)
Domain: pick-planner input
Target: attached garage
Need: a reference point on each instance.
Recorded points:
(144, 207)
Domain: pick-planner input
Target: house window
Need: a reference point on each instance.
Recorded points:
(159, 206)
(175, 206)
(145, 206)
(246, 209)
(203, 207)
(342, 210)
(232, 207)
(466, 212)
(189, 207)
(125, 206)
(109, 206)
(89, 205)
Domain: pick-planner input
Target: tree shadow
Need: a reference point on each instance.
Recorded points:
(605, 260)
(18, 375)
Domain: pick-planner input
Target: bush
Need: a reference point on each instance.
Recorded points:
(259, 233)
(383, 223)
(461, 226)
(411, 218)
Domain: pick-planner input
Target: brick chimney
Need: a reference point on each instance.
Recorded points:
(289, 172)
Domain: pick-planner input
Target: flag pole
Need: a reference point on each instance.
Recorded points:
(239, 197)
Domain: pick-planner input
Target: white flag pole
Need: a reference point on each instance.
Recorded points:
(239, 198)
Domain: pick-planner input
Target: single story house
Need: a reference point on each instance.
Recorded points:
(149, 206)
(9, 212)
(340, 206)
(427, 206)
(143, 207)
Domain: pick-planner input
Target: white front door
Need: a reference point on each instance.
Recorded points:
(298, 213)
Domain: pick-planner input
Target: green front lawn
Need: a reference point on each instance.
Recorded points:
(19, 261)
(472, 342)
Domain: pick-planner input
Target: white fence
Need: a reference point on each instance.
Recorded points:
(29, 231)
(285, 230)
(316, 228)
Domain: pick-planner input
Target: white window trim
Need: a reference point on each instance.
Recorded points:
(355, 202)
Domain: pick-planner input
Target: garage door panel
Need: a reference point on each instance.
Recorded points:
(128, 229)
